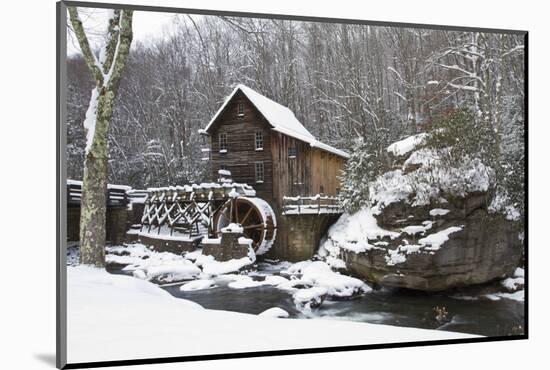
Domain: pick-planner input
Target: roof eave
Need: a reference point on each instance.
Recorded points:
(314, 143)
(222, 108)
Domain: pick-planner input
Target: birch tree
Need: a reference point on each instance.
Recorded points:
(106, 71)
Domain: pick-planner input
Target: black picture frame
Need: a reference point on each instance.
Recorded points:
(61, 196)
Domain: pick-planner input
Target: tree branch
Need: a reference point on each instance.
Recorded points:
(123, 49)
(90, 58)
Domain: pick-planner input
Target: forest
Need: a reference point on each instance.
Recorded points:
(356, 87)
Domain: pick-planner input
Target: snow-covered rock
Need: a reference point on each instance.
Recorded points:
(274, 312)
(516, 282)
(466, 246)
(428, 226)
(306, 299)
(404, 146)
(313, 281)
(211, 267)
(197, 285)
(336, 285)
(172, 272)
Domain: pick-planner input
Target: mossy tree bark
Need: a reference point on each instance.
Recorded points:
(106, 70)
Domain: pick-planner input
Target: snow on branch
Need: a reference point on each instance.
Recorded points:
(463, 87)
(400, 96)
(513, 50)
(456, 68)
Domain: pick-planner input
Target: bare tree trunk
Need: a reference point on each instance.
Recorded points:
(106, 72)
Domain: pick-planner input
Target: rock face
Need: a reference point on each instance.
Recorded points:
(452, 243)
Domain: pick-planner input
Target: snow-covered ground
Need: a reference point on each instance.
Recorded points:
(115, 317)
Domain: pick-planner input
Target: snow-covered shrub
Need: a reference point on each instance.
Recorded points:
(430, 182)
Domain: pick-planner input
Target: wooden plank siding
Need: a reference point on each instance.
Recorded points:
(307, 173)
(326, 170)
(292, 175)
(241, 154)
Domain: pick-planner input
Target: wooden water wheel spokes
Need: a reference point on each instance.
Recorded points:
(254, 215)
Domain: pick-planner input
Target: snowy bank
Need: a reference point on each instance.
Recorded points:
(115, 317)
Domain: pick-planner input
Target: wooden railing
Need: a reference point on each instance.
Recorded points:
(116, 194)
(317, 204)
(137, 195)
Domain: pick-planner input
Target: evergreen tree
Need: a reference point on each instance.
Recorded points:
(459, 137)
(363, 166)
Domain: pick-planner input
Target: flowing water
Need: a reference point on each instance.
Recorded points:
(466, 310)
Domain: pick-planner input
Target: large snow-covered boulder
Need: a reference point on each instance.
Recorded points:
(429, 227)
(399, 151)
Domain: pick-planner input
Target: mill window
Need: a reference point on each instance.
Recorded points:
(292, 152)
(259, 172)
(223, 142)
(259, 140)
(240, 109)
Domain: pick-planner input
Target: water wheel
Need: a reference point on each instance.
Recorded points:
(256, 218)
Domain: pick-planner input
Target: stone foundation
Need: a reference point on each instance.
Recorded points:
(298, 236)
(229, 248)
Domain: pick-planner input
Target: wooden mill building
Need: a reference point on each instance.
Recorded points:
(264, 145)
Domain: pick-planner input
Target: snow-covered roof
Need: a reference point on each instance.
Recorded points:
(279, 117)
